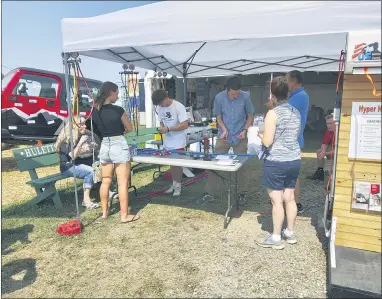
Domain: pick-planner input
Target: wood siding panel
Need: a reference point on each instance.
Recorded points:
(361, 230)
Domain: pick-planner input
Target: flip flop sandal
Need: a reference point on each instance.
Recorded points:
(135, 218)
(90, 206)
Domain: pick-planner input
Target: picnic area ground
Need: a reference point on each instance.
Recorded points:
(177, 249)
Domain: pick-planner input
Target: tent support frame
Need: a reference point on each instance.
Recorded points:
(66, 57)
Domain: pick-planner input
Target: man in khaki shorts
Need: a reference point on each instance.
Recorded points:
(234, 114)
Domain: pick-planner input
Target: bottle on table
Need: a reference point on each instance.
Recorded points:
(206, 145)
(231, 152)
(134, 148)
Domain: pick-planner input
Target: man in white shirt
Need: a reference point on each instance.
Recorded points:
(173, 123)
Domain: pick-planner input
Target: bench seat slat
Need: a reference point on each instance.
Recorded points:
(47, 180)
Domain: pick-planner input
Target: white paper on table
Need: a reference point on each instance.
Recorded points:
(227, 162)
(225, 158)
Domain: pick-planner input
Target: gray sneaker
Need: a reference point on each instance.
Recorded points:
(290, 240)
(268, 242)
(206, 198)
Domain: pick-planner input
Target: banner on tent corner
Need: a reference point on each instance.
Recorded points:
(364, 46)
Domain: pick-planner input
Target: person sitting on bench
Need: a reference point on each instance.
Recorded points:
(83, 166)
(324, 150)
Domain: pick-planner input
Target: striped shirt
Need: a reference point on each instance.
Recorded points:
(285, 146)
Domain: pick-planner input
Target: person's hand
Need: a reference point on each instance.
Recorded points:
(242, 135)
(162, 130)
(269, 104)
(321, 155)
(224, 135)
(83, 139)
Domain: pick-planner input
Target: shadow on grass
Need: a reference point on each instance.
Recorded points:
(18, 274)
(11, 236)
(8, 164)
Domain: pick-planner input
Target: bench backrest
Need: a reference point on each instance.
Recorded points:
(144, 134)
(36, 156)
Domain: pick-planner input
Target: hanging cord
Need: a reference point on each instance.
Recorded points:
(135, 109)
(127, 100)
(375, 93)
(341, 68)
(91, 96)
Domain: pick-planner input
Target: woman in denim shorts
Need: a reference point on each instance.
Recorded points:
(113, 124)
(282, 163)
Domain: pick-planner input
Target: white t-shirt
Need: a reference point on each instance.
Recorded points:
(171, 116)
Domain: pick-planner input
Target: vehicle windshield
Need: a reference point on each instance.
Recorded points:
(6, 79)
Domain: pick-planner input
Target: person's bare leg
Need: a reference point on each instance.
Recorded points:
(107, 176)
(297, 192)
(176, 174)
(123, 173)
(290, 208)
(87, 200)
(277, 211)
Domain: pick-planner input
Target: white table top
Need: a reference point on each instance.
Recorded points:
(185, 161)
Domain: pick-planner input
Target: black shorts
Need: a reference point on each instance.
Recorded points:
(280, 175)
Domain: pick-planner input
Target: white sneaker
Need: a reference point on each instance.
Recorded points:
(113, 195)
(177, 190)
(169, 190)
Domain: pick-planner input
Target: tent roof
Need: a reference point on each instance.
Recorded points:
(221, 38)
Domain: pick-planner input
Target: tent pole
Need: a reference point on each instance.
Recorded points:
(68, 102)
(185, 83)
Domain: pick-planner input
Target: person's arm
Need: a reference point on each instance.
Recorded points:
(126, 123)
(183, 119)
(180, 127)
(218, 109)
(323, 151)
(249, 110)
(80, 143)
(270, 121)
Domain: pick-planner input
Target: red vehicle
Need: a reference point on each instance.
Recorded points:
(34, 106)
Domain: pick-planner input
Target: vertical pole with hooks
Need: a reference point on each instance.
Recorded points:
(66, 57)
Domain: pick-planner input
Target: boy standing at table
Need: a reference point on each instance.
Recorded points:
(173, 123)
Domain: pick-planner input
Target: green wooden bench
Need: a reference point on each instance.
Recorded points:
(144, 134)
(32, 158)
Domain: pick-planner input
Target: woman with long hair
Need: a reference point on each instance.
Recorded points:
(83, 147)
(282, 163)
(112, 122)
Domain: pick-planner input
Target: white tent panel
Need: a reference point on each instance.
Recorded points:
(169, 33)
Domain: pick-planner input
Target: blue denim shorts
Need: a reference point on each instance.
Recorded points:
(114, 150)
(280, 175)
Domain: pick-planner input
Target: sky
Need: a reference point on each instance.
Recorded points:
(31, 34)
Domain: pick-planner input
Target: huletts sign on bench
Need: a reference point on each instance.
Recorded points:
(38, 150)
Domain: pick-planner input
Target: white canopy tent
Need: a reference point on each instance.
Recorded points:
(206, 38)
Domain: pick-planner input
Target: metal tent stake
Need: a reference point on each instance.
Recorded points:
(66, 57)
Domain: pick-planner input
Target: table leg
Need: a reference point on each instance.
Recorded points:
(226, 218)
(237, 199)
(231, 198)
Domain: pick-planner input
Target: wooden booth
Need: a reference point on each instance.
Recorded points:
(355, 253)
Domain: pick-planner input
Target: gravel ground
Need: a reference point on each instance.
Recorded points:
(177, 248)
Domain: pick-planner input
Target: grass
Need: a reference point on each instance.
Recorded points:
(176, 249)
